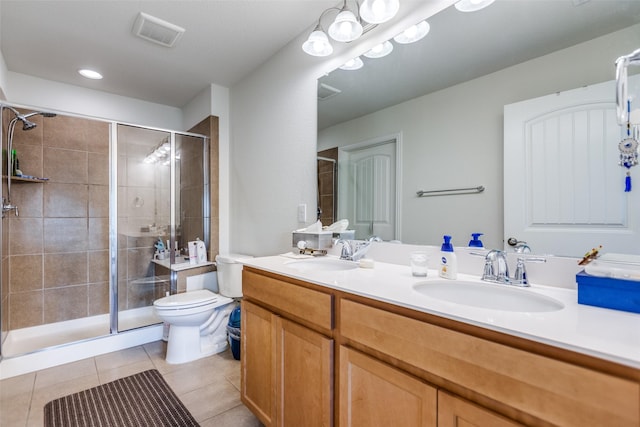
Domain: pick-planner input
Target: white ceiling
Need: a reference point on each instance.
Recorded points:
(224, 41)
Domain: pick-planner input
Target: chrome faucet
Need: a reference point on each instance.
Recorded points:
(7, 206)
(354, 251)
(346, 252)
(496, 269)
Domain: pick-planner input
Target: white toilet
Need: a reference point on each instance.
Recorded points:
(198, 317)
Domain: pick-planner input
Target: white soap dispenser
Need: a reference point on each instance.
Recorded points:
(448, 261)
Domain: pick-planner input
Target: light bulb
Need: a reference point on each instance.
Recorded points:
(411, 32)
(472, 5)
(378, 11)
(378, 7)
(345, 28)
(380, 50)
(317, 44)
(353, 64)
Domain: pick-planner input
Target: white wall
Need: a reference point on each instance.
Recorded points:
(453, 138)
(29, 91)
(3, 76)
(273, 139)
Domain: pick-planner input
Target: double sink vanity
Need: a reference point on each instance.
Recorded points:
(326, 342)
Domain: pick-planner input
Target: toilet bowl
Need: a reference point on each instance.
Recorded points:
(198, 318)
(197, 322)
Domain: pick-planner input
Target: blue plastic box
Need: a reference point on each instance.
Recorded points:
(608, 292)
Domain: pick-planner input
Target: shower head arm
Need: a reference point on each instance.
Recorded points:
(16, 112)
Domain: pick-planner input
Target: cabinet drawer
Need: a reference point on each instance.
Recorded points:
(311, 306)
(551, 390)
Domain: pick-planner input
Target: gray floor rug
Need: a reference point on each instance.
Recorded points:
(143, 399)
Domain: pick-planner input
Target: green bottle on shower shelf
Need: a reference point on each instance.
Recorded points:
(14, 162)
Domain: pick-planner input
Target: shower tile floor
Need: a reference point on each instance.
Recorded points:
(209, 387)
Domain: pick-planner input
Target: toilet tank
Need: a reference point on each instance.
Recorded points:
(230, 274)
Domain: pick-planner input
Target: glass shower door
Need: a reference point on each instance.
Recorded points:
(143, 223)
(162, 203)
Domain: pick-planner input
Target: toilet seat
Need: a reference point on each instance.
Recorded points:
(188, 300)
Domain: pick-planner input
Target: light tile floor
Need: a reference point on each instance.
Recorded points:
(209, 387)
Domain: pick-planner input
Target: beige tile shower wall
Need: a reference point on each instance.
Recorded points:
(58, 246)
(209, 127)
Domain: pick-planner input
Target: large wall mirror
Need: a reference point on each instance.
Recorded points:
(442, 101)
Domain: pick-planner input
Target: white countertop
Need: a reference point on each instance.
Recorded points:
(607, 334)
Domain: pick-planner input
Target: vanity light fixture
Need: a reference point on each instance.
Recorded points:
(353, 64)
(160, 154)
(413, 33)
(90, 74)
(380, 50)
(472, 5)
(379, 11)
(347, 26)
(318, 43)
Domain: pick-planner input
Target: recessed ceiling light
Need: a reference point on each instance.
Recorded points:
(90, 74)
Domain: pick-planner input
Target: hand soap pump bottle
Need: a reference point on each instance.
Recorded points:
(448, 261)
(475, 242)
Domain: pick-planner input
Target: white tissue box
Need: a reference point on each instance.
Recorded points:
(314, 240)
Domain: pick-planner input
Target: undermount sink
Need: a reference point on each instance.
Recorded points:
(322, 264)
(489, 296)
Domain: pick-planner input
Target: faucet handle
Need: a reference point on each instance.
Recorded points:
(520, 277)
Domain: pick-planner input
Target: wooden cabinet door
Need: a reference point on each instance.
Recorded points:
(304, 375)
(456, 412)
(373, 393)
(258, 362)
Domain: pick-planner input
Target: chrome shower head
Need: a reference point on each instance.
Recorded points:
(28, 124)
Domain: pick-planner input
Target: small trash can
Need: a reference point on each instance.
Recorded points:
(233, 328)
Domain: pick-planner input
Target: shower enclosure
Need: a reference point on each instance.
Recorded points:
(84, 203)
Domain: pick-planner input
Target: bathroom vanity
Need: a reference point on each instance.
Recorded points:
(362, 347)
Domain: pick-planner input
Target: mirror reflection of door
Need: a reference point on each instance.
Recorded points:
(565, 186)
(367, 195)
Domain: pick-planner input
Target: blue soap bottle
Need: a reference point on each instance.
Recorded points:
(448, 261)
(475, 242)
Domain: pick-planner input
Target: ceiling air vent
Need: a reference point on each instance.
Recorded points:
(156, 30)
(325, 91)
